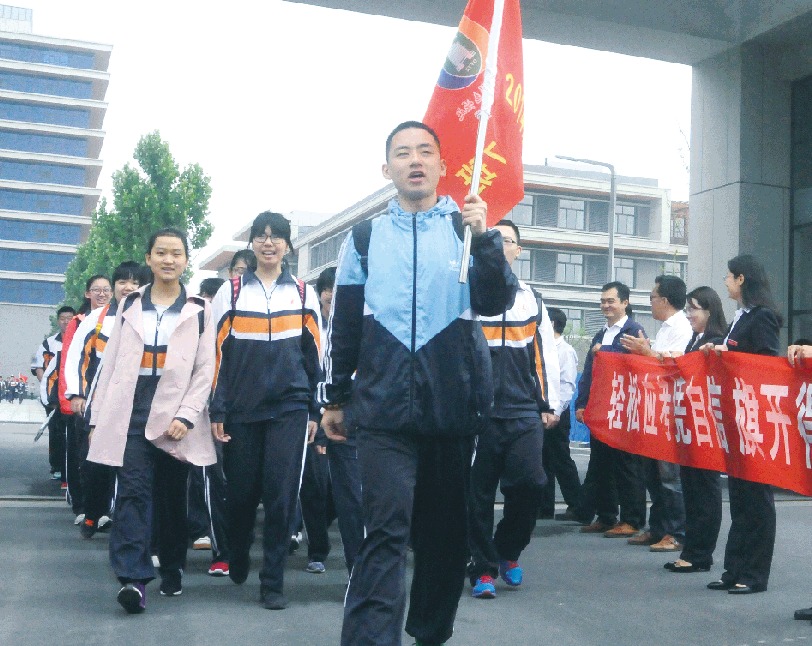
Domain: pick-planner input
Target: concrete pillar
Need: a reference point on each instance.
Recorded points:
(740, 168)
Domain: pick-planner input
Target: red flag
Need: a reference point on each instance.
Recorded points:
(457, 98)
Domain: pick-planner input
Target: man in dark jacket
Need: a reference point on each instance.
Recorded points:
(612, 476)
(409, 331)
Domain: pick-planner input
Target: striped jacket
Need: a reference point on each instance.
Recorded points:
(525, 360)
(49, 356)
(267, 359)
(86, 350)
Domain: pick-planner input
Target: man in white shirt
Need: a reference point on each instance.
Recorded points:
(667, 514)
(556, 457)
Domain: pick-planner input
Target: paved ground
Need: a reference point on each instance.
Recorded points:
(579, 590)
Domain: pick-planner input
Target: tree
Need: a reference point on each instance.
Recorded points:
(146, 198)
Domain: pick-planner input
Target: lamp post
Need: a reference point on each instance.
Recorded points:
(612, 201)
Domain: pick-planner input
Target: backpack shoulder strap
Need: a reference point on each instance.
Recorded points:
(200, 322)
(456, 220)
(236, 286)
(361, 234)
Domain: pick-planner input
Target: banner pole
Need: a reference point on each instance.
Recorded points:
(484, 114)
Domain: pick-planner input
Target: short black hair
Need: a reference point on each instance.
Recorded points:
(279, 224)
(64, 309)
(672, 289)
(169, 232)
(405, 126)
(326, 280)
(247, 256)
(558, 319)
(504, 222)
(209, 286)
(622, 289)
(128, 270)
(802, 341)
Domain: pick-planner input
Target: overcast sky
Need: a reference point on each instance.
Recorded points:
(287, 106)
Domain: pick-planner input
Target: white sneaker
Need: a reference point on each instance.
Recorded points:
(79, 519)
(155, 561)
(104, 523)
(202, 543)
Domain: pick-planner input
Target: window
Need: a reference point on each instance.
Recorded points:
(42, 172)
(575, 320)
(36, 143)
(674, 268)
(56, 115)
(594, 320)
(36, 262)
(521, 266)
(571, 214)
(47, 55)
(31, 292)
(625, 220)
(570, 268)
(522, 213)
(32, 83)
(624, 271)
(28, 231)
(326, 251)
(37, 202)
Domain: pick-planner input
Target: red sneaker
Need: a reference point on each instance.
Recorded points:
(218, 568)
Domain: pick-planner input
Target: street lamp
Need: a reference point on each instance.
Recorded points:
(612, 200)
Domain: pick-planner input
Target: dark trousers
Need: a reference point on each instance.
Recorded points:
(98, 484)
(316, 500)
(631, 487)
(751, 540)
(598, 493)
(263, 461)
(148, 477)
(207, 506)
(345, 479)
(702, 494)
(75, 443)
(559, 465)
(414, 486)
(56, 442)
(508, 450)
(667, 513)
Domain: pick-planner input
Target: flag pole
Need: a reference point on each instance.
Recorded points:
(484, 114)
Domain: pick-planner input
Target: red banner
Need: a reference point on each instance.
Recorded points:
(742, 414)
(457, 97)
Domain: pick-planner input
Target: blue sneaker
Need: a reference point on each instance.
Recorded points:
(511, 573)
(484, 588)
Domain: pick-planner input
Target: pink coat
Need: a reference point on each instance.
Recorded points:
(183, 390)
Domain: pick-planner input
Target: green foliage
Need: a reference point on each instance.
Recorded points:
(153, 195)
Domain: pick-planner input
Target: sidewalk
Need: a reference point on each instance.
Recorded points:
(29, 412)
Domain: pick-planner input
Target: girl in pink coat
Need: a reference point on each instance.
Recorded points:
(150, 418)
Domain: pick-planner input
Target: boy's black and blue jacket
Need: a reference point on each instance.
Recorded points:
(409, 331)
(267, 360)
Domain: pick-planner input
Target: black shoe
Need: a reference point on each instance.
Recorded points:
(238, 567)
(672, 566)
(721, 584)
(543, 515)
(274, 601)
(88, 528)
(133, 598)
(803, 614)
(566, 515)
(171, 584)
(740, 588)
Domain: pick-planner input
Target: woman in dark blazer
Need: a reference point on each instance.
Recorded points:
(750, 542)
(701, 488)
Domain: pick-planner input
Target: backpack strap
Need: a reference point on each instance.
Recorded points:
(200, 322)
(361, 234)
(236, 286)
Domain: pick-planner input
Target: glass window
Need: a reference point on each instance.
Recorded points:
(571, 214)
(47, 55)
(37, 202)
(28, 231)
(42, 172)
(56, 115)
(37, 143)
(624, 271)
(31, 292)
(326, 251)
(521, 266)
(625, 219)
(546, 211)
(575, 320)
(522, 213)
(543, 265)
(599, 216)
(35, 84)
(674, 268)
(570, 268)
(36, 262)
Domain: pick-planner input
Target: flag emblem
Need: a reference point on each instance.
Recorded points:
(466, 58)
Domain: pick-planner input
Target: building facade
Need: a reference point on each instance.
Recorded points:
(51, 113)
(564, 225)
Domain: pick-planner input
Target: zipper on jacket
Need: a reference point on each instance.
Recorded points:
(414, 313)
(158, 318)
(268, 304)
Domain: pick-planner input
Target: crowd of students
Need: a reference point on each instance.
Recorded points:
(176, 414)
